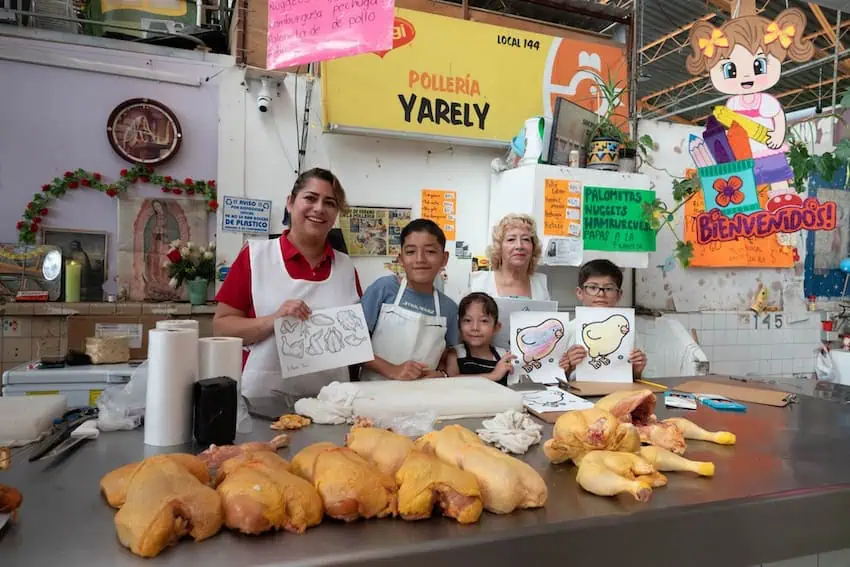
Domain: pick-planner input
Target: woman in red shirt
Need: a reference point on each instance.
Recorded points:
(288, 276)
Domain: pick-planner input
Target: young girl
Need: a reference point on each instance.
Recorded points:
(744, 59)
(478, 318)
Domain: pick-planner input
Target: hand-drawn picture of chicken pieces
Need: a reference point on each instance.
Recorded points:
(536, 343)
(603, 338)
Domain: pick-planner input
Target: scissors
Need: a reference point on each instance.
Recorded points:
(59, 440)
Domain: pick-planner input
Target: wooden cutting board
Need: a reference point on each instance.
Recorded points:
(585, 389)
(753, 395)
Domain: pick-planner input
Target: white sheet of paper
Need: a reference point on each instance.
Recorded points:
(330, 338)
(509, 305)
(553, 399)
(538, 339)
(563, 251)
(608, 334)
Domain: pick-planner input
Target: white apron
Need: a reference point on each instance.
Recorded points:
(271, 286)
(402, 334)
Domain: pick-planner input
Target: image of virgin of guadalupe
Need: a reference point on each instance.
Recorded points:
(162, 223)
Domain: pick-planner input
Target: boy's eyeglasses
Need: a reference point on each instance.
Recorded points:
(595, 290)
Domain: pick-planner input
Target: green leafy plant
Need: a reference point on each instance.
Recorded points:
(826, 165)
(611, 91)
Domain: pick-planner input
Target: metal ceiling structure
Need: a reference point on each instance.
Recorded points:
(665, 89)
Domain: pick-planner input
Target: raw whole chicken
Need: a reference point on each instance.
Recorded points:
(423, 479)
(258, 494)
(165, 502)
(576, 433)
(385, 449)
(609, 473)
(215, 455)
(114, 484)
(693, 431)
(506, 482)
(638, 408)
(350, 486)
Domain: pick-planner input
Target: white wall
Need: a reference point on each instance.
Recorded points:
(258, 157)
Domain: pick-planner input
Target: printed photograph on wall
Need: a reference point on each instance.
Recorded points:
(374, 231)
(87, 248)
(146, 229)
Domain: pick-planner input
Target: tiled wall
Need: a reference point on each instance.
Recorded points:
(29, 331)
(781, 344)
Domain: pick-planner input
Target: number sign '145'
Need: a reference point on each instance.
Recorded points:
(768, 321)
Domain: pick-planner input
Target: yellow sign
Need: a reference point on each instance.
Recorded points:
(561, 208)
(42, 393)
(93, 395)
(159, 7)
(441, 207)
(461, 79)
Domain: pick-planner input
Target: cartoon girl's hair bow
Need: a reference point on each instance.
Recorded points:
(708, 44)
(784, 35)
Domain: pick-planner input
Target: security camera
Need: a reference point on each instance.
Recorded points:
(264, 99)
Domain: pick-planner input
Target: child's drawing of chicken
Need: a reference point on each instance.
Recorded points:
(536, 343)
(603, 338)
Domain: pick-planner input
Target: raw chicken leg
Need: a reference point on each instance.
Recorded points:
(665, 460)
(665, 435)
(350, 486)
(609, 473)
(164, 503)
(215, 455)
(506, 482)
(693, 431)
(114, 484)
(385, 449)
(258, 494)
(638, 408)
(579, 432)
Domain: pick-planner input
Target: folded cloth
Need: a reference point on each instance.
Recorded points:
(511, 431)
(333, 405)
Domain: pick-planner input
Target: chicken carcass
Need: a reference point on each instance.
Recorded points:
(638, 408)
(350, 486)
(609, 473)
(579, 432)
(165, 502)
(506, 482)
(215, 455)
(668, 461)
(693, 431)
(385, 449)
(423, 479)
(258, 494)
(114, 484)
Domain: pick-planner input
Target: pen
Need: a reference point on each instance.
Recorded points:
(648, 383)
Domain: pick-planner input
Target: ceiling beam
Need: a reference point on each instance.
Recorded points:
(724, 5)
(676, 32)
(590, 9)
(677, 119)
(824, 23)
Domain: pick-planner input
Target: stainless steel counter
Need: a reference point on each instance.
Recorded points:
(783, 491)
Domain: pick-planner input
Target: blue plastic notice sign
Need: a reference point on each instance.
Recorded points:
(243, 214)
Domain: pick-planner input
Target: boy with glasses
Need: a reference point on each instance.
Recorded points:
(600, 284)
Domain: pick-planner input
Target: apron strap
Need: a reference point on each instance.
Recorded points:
(401, 288)
(436, 303)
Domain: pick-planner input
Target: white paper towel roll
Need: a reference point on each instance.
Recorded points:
(186, 324)
(220, 356)
(171, 377)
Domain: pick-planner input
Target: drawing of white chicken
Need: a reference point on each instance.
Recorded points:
(603, 338)
(536, 343)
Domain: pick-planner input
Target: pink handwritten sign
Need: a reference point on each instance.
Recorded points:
(305, 31)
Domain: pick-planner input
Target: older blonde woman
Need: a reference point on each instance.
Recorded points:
(513, 254)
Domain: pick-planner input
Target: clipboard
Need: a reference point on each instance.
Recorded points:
(753, 395)
(592, 389)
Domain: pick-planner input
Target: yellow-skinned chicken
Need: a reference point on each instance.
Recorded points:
(258, 494)
(609, 473)
(385, 449)
(638, 408)
(578, 432)
(114, 484)
(506, 482)
(691, 430)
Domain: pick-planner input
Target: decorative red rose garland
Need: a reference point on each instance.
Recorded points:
(37, 208)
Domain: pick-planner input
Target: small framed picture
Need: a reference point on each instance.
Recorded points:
(88, 248)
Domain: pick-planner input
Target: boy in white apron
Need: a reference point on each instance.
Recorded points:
(410, 321)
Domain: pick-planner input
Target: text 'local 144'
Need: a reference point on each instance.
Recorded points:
(240, 214)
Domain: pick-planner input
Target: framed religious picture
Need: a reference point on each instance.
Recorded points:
(144, 131)
(88, 248)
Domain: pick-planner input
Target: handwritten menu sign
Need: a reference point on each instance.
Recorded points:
(613, 220)
(441, 207)
(764, 252)
(304, 31)
(562, 208)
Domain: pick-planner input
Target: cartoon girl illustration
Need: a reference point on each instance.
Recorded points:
(744, 59)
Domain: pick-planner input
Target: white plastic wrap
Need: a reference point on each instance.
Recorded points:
(122, 407)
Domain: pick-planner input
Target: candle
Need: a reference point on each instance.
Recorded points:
(73, 271)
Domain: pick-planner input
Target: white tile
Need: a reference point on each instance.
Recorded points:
(706, 338)
(709, 352)
(695, 321)
(719, 321)
(731, 320)
(788, 366)
(840, 558)
(775, 366)
(764, 367)
(707, 322)
(744, 321)
(808, 561)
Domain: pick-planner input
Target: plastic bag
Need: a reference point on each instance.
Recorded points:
(409, 425)
(123, 407)
(824, 366)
